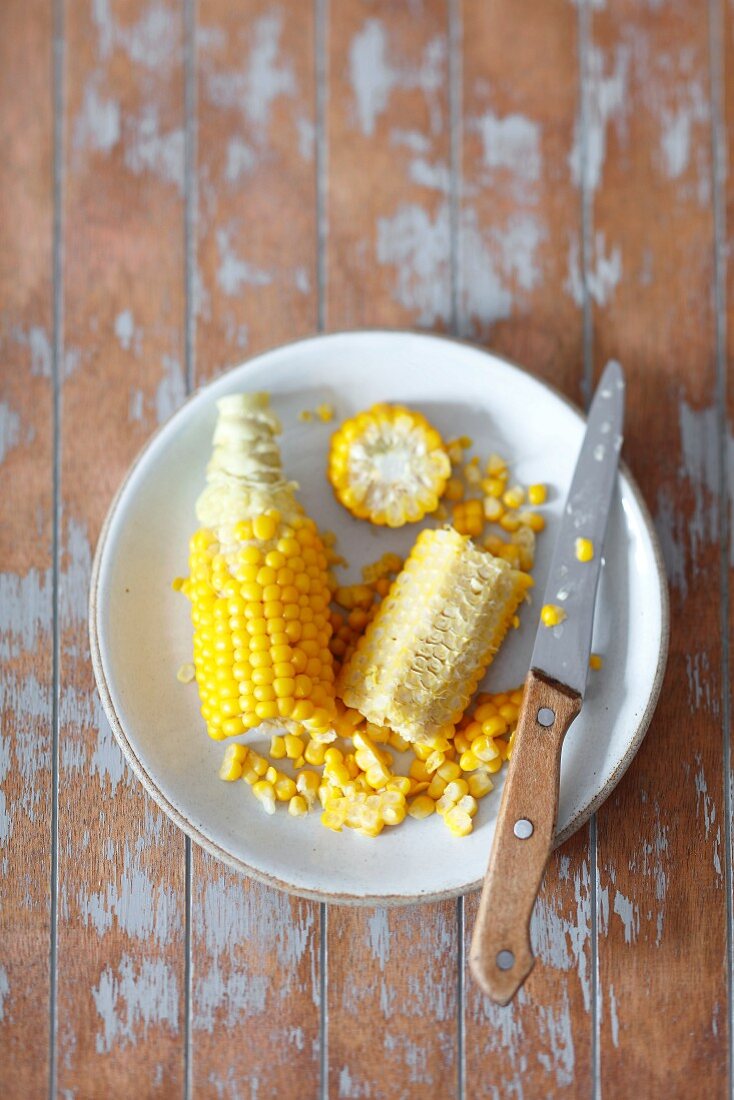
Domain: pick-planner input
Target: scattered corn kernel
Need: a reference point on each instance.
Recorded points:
(233, 762)
(595, 661)
(421, 806)
(186, 673)
(551, 615)
(537, 494)
(297, 806)
(584, 550)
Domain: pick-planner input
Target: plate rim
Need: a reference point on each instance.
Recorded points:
(188, 827)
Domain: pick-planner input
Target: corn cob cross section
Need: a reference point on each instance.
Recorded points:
(259, 586)
(426, 650)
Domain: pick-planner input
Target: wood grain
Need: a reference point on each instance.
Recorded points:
(521, 292)
(662, 895)
(121, 988)
(518, 861)
(26, 496)
(392, 994)
(255, 952)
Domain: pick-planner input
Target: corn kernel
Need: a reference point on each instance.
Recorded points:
(595, 661)
(480, 784)
(552, 615)
(232, 762)
(537, 494)
(458, 821)
(421, 806)
(265, 794)
(294, 746)
(514, 497)
(297, 806)
(584, 550)
(277, 747)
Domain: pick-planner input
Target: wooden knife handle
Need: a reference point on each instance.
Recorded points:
(500, 956)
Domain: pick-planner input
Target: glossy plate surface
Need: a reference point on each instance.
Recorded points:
(141, 634)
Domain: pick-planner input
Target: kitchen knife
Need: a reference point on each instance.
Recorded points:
(501, 956)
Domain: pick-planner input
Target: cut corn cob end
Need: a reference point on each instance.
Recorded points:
(388, 465)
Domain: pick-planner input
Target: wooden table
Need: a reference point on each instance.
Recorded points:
(186, 184)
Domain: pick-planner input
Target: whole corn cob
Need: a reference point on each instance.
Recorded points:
(258, 586)
(433, 637)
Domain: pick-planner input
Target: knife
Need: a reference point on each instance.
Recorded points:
(501, 956)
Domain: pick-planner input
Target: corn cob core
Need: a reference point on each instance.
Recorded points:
(258, 586)
(423, 655)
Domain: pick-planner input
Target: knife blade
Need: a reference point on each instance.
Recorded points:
(501, 955)
(562, 652)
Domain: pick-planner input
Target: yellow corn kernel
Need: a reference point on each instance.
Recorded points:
(494, 487)
(233, 762)
(468, 761)
(480, 784)
(258, 763)
(421, 806)
(449, 771)
(315, 752)
(271, 774)
(461, 742)
(325, 413)
(400, 783)
(509, 522)
(456, 789)
(533, 520)
(493, 510)
(297, 806)
(435, 760)
(595, 661)
(186, 673)
(305, 415)
(277, 747)
(484, 749)
(454, 489)
(584, 550)
(496, 466)
(307, 784)
(494, 726)
(333, 819)
(437, 786)
(294, 746)
(537, 494)
(468, 804)
(284, 787)
(418, 771)
(551, 614)
(458, 821)
(377, 776)
(264, 792)
(514, 497)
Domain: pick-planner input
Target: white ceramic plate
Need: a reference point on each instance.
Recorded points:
(141, 634)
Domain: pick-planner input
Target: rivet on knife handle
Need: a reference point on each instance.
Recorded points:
(501, 956)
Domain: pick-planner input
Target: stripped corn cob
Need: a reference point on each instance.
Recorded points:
(388, 465)
(258, 587)
(436, 632)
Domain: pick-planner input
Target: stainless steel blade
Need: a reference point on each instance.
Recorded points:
(562, 652)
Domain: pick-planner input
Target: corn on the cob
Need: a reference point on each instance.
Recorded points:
(258, 587)
(436, 632)
(388, 465)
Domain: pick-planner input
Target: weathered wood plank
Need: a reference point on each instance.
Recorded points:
(723, 60)
(255, 952)
(121, 867)
(662, 897)
(26, 492)
(392, 973)
(522, 293)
